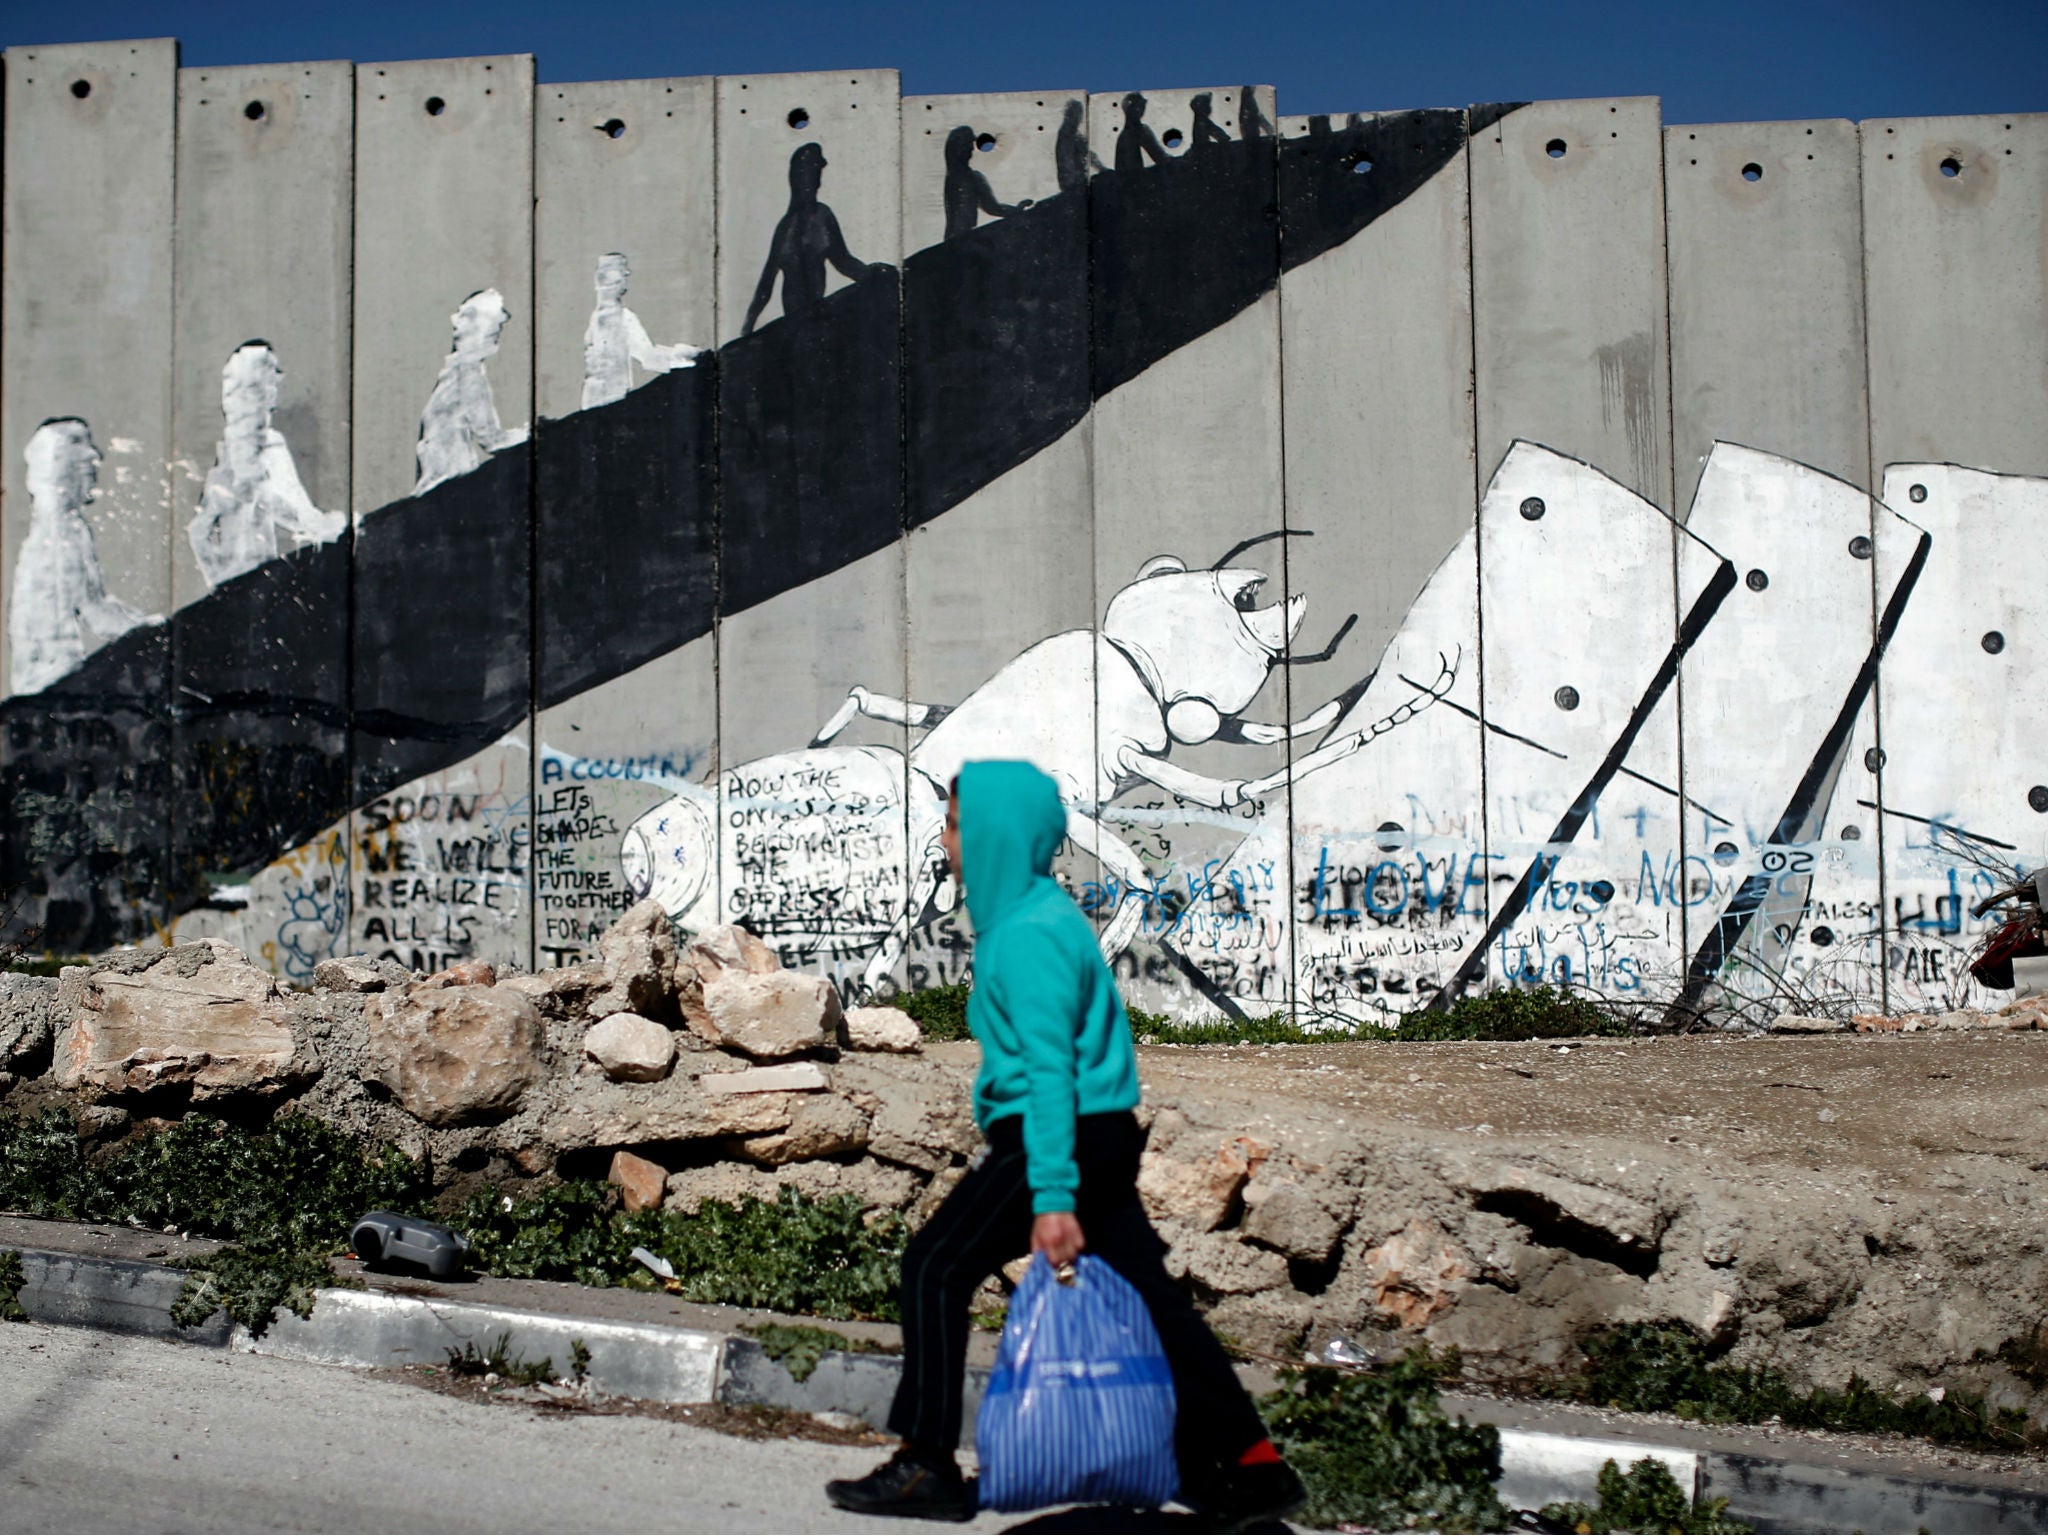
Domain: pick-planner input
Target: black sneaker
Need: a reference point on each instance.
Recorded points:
(908, 1486)
(1246, 1498)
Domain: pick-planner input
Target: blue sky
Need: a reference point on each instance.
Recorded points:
(1730, 61)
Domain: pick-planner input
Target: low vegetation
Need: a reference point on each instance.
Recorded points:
(798, 1347)
(502, 1363)
(12, 1278)
(1644, 1498)
(1667, 1368)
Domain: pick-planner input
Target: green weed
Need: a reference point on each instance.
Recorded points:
(941, 1012)
(1665, 1368)
(1644, 1498)
(798, 1347)
(12, 1279)
(515, 1368)
(250, 1285)
(1376, 1449)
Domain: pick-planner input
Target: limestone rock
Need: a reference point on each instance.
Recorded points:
(1622, 1217)
(464, 973)
(639, 1181)
(27, 1019)
(1965, 1018)
(562, 991)
(596, 1112)
(630, 1049)
(455, 1055)
(878, 1186)
(359, 973)
(1806, 1024)
(1415, 1276)
(771, 1015)
(720, 1183)
(725, 948)
(821, 1125)
(881, 1029)
(640, 952)
(1222, 1265)
(1198, 1193)
(194, 1014)
(1267, 1322)
(923, 1115)
(1289, 1218)
(791, 1077)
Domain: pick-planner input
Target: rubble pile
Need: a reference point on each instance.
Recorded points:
(686, 1072)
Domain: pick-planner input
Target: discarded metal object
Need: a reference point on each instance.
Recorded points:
(386, 1240)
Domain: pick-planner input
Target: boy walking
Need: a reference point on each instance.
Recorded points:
(1054, 1096)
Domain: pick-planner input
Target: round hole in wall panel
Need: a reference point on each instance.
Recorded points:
(1860, 546)
(1752, 172)
(1917, 493)
(1390, 836)
(1566, 697)
(612, 128)
(799, 118)
(436, 106)
(81, 89)
(1823, 937)
(1851, 834)
(1993, 642)
(984, 142)
(1756, 580)
(1171, 138)
(1726, 853)
(1554, 149)
(1532, 507)
(1873, 759)
(1601, 891)
(2037, 797)
(1951, 167)
(254, 111)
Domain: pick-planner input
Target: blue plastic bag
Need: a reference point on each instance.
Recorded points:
(1080, 1408)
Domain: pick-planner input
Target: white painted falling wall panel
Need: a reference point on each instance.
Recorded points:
(260, 468)
(1570, 348)
(625, 169)
(1955, 218)
(992, 576)
(444, 210)
(811, 840)
(1377, 389)
(1766, 276)
(85, 307)
(1187, 464)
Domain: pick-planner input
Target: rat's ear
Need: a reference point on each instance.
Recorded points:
(1162, 565)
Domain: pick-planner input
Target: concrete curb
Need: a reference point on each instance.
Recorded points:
(669, 1364)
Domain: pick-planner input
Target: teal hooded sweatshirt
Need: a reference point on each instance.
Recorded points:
(1054, 1039)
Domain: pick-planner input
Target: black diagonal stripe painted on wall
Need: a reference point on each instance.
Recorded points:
(812, 463)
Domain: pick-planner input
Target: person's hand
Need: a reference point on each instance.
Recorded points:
(1057, 1235)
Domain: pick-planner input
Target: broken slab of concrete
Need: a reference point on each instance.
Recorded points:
(792, 1077)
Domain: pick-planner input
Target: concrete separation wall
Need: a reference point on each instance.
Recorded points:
(1433, 550)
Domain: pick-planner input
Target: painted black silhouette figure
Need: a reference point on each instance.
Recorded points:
(1206, 132)
(1137, 140)
(968, 194)
(1070, 149)
(1251, 122)
(804, 241)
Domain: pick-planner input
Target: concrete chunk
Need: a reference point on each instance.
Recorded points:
(793, 1077)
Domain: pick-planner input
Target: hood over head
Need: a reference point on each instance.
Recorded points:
(1011, 824)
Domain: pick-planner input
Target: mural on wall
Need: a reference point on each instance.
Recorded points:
(252, 492)
(59, 592)
(1509, 793)
(460, 429)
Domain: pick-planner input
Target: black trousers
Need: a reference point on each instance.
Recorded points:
(986, 1222)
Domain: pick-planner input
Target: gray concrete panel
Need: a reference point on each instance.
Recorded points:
(1377, 387)
(1765, 241)
(1955, 219)
(1187, 465)
(260, 468)
(811, 840)
(1010, 566)
(1568, 287)
(444, 211)
(85, 507)
(623, 167)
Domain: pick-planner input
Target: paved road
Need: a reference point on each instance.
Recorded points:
(100, 1432)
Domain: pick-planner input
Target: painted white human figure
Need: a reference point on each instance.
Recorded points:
(459, 428)
(253, 489)
(59, 589)
(615, 340)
